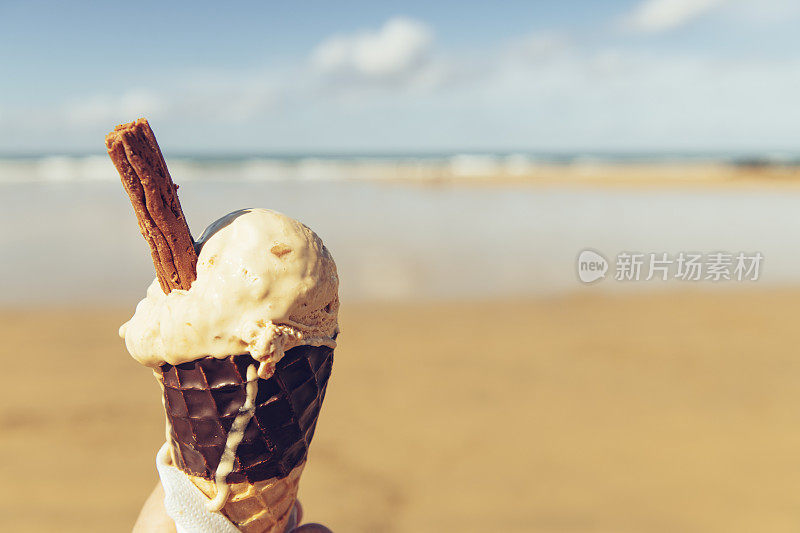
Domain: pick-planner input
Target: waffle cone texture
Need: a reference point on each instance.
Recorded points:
(260, 507)
(202, 399)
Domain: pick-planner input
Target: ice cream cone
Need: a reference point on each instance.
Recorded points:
(256, 281)
(203, 399)
(260, 507)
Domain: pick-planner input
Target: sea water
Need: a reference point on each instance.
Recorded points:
(74, 238)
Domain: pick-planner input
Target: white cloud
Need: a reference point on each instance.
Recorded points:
(397, 49)
(112, 108)
(391, 89)
(229, 97)
(622, 99)
(765, 13)
(541, 46)
(654, 16)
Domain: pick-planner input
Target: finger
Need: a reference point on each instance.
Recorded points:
(299, 510)
(154, 518)
(312, 528)
(293, 520)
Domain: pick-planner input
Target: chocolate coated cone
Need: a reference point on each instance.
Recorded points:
(203, 397)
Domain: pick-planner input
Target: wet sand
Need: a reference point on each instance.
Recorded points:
(594, 413)
(395, 241)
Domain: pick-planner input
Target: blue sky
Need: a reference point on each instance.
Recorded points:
(645, 75)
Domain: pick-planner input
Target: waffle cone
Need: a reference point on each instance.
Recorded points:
(260, 507)
(202, 400)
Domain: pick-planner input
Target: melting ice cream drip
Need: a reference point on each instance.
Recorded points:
(235, 436)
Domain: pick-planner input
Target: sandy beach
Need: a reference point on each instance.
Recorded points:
(590, 413)
(397, 241)
(490, 391)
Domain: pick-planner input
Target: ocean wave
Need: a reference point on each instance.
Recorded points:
(57, 169)
(423, 168)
